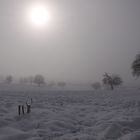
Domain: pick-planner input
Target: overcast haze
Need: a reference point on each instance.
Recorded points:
(84, 39)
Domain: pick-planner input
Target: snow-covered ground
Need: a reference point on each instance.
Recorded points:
(71, 115)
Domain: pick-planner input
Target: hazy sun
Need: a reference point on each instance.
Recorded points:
(38, 15)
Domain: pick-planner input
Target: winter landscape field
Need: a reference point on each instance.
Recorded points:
(71, 115)
(69, 69)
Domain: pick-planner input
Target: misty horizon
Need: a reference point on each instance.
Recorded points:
(83, 40)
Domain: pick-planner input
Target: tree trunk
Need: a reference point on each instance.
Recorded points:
(22, 109)
(19, 110)
(112, 87)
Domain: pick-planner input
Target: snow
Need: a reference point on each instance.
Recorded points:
(70, 114)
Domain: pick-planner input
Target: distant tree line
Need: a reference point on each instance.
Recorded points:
(109, 80)
(38, 80)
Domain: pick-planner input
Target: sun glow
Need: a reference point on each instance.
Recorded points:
(38, 15)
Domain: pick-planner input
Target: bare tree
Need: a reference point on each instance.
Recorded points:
(96, 85)
(112, 80)
(39, 80)
(9, 79)
(136, 66)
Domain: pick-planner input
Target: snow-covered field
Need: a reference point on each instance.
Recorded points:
(71, 115)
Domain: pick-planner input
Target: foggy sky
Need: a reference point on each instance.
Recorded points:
(84, 39)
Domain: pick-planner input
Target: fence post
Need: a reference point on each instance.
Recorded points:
(19, 110)
(22, 109)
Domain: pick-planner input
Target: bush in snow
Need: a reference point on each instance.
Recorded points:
(96, 85)
(9, 79)
(61, 84)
